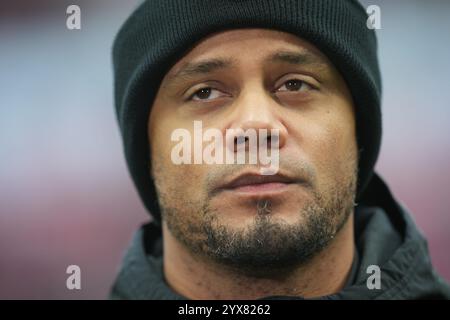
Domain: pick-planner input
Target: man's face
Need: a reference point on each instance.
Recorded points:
(256, 79)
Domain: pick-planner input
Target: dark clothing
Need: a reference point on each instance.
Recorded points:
(385, 235)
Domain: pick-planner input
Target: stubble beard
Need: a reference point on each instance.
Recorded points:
(268, 245)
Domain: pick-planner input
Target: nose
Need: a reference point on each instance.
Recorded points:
(255, 109)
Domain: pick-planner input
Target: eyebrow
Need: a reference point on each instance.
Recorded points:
(202, 67)
(207, 66)
(296, 58)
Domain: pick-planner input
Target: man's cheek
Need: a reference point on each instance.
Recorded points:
(326, 157)
(186, 180)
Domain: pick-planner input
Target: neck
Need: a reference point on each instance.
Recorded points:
(197, 278)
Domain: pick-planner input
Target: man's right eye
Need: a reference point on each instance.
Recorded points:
(205, 94)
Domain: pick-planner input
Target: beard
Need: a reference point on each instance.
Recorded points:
(268, 246)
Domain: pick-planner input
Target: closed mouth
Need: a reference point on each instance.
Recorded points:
(254, 180)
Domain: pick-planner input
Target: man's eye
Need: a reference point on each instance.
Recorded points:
(294, 85)
(206, 94)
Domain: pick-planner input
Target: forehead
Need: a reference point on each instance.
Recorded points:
(248, 44)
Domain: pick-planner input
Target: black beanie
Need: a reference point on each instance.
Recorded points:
(160, 32)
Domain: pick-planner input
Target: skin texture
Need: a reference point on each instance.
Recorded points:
(232, 245)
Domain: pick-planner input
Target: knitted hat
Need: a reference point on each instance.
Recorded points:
(160, 32)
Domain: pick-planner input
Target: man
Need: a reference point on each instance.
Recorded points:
(320, 224)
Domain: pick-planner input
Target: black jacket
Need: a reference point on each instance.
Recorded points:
(385, 236)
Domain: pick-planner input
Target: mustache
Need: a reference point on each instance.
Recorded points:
(294, 168)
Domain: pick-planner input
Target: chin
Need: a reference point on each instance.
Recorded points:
(243, 214)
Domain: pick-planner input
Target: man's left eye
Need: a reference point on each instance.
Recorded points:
(294, 85)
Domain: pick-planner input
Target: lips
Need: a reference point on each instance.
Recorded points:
(253, 184)
(257, 180)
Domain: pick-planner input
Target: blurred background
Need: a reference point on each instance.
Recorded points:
(65, 193)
